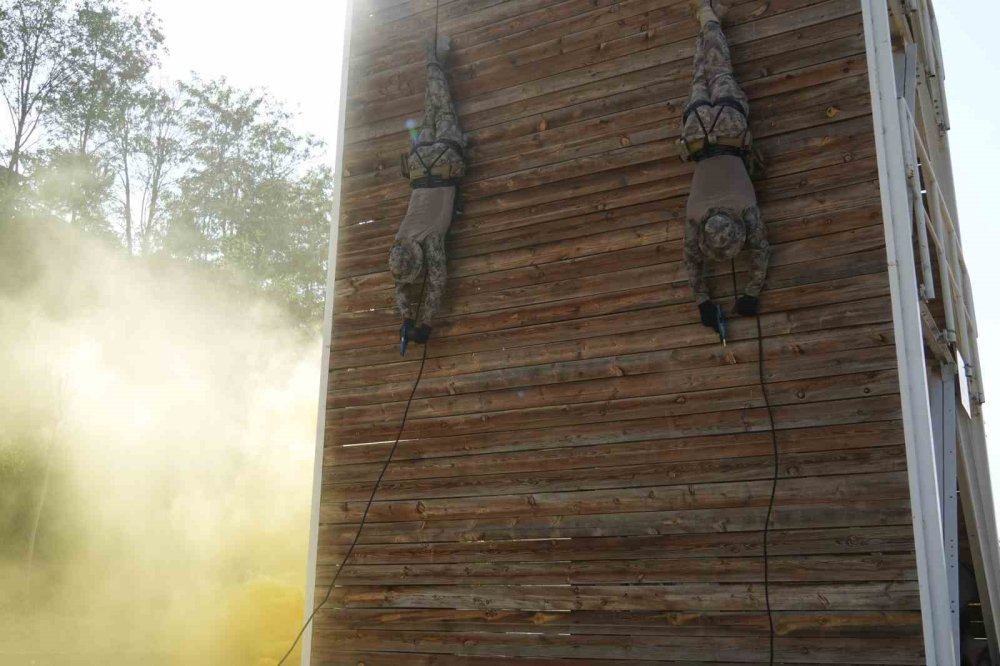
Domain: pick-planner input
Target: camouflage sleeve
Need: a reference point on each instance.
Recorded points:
(760, 251)
(694, 262)
(437, 276)
(403, 301)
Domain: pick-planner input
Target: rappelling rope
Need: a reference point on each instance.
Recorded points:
(437, 14)
(392, 451)
(774, 473)
(371, 497)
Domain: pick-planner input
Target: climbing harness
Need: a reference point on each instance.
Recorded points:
(446, 175)
(432, 175)
(774, 474)
(710, 144)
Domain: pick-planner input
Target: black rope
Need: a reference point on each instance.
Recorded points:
(371, 497)
(774, 484)
(774, 473)
(437, 13)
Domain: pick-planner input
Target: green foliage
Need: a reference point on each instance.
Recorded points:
(74, 186)
(21, 471)
(202, 172)
(243, 204)
(23, 461)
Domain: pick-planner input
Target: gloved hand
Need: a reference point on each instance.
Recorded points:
(709, 315)
(747, 305)
(422, 334)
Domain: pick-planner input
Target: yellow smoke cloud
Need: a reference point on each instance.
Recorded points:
(163, 421)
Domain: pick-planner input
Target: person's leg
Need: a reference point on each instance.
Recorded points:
(713, 64)
(432, 97)
(719, 67)
(440, 119)
(446, 124)
(729, 122)
(700, 94)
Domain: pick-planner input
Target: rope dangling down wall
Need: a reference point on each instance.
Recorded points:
(774, 486)
(364, 516)
(774, 472)
(371, 497)
(392, 451)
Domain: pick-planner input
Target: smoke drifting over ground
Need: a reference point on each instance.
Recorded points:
(156, 446)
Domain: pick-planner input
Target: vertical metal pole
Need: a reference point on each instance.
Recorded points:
(924, 494)
(949, 491)
(331, 281)
(935, 393)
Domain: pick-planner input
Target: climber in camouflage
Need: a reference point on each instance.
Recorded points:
(722, 212)
(433, 166)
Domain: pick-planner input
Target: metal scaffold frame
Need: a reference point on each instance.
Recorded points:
(933, 310)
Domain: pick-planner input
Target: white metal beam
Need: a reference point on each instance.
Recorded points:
(924, 493)
(331, 274)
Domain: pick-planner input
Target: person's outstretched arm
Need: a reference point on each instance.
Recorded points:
(694, 262)
(437, 277)
(759, 249)
(403, 301)
(748, 304)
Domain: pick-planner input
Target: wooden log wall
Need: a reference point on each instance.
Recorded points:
(585, 471)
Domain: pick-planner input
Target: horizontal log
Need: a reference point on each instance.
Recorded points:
(651, 287)
(628, 649)
(803, 330)
(846, 413)
(669, 43)
(805, 348)
(787, 623)
(829, 514)
(669, 495)
(421, 459)
(899, 595)
(329, 654)
(823, 541)
(826, 568)
(340, 489)
(877, 377)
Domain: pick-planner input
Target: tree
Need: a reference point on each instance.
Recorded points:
(247, 201)
(36, 35)
(205, 172)
(113, 53)
(148, 148)
(73, 187)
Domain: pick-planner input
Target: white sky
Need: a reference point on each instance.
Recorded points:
(969, 37)
(293, 48)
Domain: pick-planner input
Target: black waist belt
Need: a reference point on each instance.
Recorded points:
(433, 181)
(715, 150)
